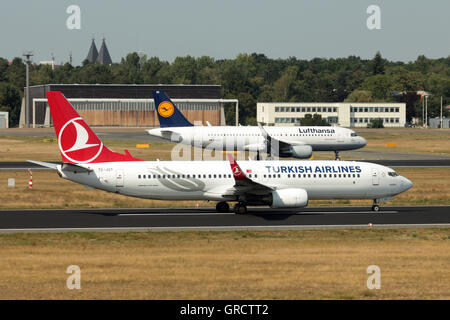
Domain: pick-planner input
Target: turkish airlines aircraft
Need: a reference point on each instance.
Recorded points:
(284, 142)
(278, 184)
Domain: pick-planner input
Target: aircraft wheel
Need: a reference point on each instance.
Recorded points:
(376, 208)
(240, 208)
(223, 207)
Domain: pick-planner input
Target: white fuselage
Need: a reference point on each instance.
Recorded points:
(213, 180)
(250, 137)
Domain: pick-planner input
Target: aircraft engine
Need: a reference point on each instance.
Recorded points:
(301, 152)
(289, 198)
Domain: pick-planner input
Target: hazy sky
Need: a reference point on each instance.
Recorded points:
(222, 29)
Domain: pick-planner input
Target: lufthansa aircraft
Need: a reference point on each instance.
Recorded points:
(284, 142)
(278, 184)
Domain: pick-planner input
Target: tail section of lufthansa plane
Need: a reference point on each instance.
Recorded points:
(76, 140)
(168, 114)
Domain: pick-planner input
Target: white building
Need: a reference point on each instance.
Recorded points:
(345, 114)
(4, 119)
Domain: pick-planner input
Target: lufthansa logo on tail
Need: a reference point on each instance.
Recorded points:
(166, 109)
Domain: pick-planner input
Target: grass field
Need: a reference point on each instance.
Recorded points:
(409, 140)
(414, 263)
(431, 187)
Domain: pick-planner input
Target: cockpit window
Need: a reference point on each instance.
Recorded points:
(354, 134)
(393, 174)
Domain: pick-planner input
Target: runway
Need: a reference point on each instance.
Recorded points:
(206, 219)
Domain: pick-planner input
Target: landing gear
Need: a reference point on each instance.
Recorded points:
(258, 157)
(240, 208)
(336, 155)
(375, 206)
(222, 207)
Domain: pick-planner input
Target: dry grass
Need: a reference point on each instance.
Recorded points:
(431, 186)
(415, 264)
(33, 148)
(410, 140)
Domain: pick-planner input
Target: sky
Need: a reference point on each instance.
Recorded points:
(222, 29)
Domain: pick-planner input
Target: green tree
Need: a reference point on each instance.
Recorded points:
(313, 120)
(375, 123)
(359, 96)
(378, 64)
(15, 74)
(10, 101)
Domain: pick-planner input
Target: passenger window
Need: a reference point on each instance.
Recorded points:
(139, 176)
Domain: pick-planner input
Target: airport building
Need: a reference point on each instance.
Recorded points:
(123, 105)
(4, 119)
(340, 113)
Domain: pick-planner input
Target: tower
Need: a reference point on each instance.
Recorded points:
(103, 55)
(93, 53)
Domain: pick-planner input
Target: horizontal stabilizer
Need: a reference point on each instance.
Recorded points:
(50, 165)
(70, 167)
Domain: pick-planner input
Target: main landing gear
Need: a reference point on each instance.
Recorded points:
(223, 207)
(239, 208)
(375, 206)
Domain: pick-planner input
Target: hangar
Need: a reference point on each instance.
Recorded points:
(126, 105)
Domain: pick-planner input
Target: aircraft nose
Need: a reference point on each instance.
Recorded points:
(407, 184)
(363, 141)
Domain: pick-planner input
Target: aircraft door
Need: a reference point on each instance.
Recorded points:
(340, 137)
(375, 177)
(119, 178)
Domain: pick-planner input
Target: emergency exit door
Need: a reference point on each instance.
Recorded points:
(119, 178)
(375, 177)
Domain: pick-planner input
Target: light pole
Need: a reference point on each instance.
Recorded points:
(28, 55)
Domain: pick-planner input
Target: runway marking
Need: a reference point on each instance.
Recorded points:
(228, 228)
(249, 213)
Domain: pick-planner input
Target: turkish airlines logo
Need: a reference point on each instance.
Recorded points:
(237, 171)
(76, 144)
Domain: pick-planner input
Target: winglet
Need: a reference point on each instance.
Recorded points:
(237, 172)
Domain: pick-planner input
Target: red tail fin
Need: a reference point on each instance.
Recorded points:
(77, 142)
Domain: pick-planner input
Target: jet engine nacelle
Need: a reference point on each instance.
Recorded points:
(289, 198)
(301, 152)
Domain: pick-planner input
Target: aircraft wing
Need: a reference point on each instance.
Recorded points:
(166, 134)
(274, 144)
(243, 184)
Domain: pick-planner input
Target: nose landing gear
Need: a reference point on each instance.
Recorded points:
(375, 206)
(336, 155)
